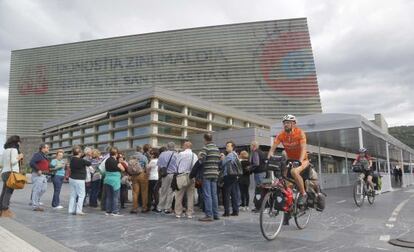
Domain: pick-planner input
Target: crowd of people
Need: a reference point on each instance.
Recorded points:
(162, 180)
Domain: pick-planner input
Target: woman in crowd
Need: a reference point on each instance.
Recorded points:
(96, 178)
(124, 180)
(11, 159)
(58, 169)
(112, 182)
(153, 178)
(244, 180)
(77, 181)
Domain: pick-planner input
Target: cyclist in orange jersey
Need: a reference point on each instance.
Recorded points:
(293, 140)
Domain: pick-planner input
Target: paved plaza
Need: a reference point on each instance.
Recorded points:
(341, 227)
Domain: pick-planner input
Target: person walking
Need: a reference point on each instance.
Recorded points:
(210, 157)
(77, 181)
(40, 165)
(11, 159)
(58, 168)
(185, 162)
(167, 165)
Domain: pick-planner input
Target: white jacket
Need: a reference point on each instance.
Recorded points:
(10, 161)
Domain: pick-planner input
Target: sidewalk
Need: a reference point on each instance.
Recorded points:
(16, 237)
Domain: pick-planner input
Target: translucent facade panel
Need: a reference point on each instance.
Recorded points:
(196, 124)
(103, 137)
(122, 145)
(139, 131)
(170, 119)
(142, 118)
(120, 134)
(140, 142)
(103, 127)
(168, 130)
(87, 140)
(121, 123)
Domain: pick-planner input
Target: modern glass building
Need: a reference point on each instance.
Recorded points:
(265, 68)
(155, 116)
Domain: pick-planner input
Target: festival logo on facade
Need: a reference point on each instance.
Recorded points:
(34, 81)
(286, 65)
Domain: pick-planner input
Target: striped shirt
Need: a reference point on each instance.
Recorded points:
(210, 156)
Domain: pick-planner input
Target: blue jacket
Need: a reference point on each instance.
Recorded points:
(38, 156)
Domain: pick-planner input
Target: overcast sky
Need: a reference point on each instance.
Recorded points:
(364, 50)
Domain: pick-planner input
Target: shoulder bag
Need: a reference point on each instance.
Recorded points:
(16, 180)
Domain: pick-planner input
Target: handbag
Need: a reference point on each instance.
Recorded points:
(181, 180)
(163, 170)
(16, 180)
(198, 183)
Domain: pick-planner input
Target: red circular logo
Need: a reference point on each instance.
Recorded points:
(34, 81)
(286, 65)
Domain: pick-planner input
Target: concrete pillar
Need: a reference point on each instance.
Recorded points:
(360, 138)
(320, 163)
(404, 183)
(210, 118)
(154, 103)
(387, 149)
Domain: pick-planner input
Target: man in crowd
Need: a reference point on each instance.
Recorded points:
(210, 157)
(40, 165)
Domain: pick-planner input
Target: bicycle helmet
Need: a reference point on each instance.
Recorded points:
(289, 118)
(362, 150)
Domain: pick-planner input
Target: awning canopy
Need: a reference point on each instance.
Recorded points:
(340, 131)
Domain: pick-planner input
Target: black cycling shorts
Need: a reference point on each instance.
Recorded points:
(305, 174)
(367, 173)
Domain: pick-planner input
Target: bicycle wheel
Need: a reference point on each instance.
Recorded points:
(359, 193)
(302, 214)
(371, 196)
(271, 220)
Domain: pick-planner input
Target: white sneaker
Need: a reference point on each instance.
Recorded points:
(189, 216)
(81, 213)
(247, 208)
(58, 207)
(116, 214)
(40, 203)
(107, 214)
(178, 216)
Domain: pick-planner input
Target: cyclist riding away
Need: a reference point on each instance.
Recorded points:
(293, 140)
(366, 162)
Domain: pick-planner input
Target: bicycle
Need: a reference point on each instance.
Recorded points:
(362, 188)
(280, 201)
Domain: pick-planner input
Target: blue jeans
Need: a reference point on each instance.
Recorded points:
(112, 199)
(57, 186)
(258, 177)
(95, 189)
(210, 197)
(39, 187)
(77, 192)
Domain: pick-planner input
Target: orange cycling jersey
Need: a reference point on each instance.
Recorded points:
(292, 142)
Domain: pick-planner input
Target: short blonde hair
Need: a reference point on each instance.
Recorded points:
(60, 151)
(244, 155)
(96, 153)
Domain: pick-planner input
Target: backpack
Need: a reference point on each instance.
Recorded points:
(134, 167)
(235, 168)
